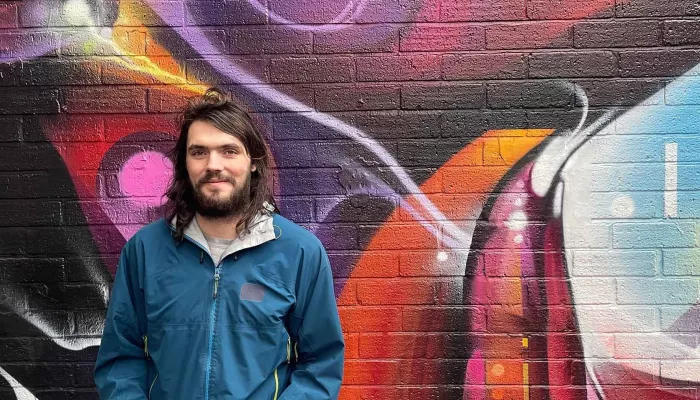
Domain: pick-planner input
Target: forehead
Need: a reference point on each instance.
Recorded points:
(203, 133)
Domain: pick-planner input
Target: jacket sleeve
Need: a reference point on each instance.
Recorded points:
(315, 326)
(120, 369)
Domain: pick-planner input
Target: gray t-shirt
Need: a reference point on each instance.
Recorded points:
(217, 247)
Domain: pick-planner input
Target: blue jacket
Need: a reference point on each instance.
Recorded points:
(263, 324)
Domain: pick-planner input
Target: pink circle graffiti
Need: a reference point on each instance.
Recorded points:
(145, 177)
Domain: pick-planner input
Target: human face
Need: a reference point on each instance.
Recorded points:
(219, 168)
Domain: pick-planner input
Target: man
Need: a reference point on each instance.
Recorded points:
(225, 299)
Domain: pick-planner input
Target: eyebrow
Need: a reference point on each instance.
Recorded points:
(222, 147)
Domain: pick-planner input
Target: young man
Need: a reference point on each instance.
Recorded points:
(225, 299)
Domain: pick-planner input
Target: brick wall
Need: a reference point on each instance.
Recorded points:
(508, 189)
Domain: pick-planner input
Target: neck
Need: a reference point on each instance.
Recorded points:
(222, 228)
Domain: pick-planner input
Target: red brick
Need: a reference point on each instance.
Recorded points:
(499, 290)
(511, 319)
(504, 372)
(507, 345)
(375, 38)
(617, 34)
(392, 345)
(165, 101)
(247, 40)
(529, 35)
(161, 70)
(227, 70)
(484, 66)
(105, 99)
(444, 319)
(352, 392)
(442, 38)
(312, 69)
(136, 13)
(398, 68)
(482, 10)
(370, 372)
(415, 345)
(570, 9)
(377, 264)
(63, 128)
(350, 97)
(457, 179)
(573, 64)
(503, 392)
(387, 11)
(117, 126)
(370, 319)
(398, 236)
(655, 8)
(428, 263)
(8, 15)
(349, 294)
(396, 291)
(352, 345)
(431, 372)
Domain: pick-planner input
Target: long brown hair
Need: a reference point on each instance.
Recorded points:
(218, 109)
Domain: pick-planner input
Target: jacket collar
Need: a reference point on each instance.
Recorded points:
(261, 230)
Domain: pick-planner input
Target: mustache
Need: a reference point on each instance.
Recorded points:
(215, 177)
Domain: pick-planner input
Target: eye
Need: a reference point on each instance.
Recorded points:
(197, 153)
(230, 152)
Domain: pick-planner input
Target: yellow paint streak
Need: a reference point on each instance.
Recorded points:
(525, 342)
(526, 381)
(131, 50)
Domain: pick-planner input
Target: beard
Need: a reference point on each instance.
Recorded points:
(215, 206)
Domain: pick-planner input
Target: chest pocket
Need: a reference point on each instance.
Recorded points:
(257, 299)
(176, 293)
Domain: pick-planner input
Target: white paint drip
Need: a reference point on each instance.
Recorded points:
(671, 181)
(558, 201)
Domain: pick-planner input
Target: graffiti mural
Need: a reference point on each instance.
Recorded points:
(507, 189)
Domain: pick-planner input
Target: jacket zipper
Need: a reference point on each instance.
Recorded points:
(212, 323)
(212, 316)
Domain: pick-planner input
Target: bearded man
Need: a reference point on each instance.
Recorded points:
(224, 298)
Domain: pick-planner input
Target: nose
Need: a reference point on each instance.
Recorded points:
(214, 162)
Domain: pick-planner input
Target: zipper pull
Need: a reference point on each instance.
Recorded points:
(289, 349)
(216, 284)
(145, 346)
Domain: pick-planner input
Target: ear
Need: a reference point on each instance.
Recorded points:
(253, 167)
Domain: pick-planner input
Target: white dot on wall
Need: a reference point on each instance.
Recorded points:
(518, 202)
(442, 256)
(622, 206)
(77, 12)
(518, 239)
(516, 221)
(106, 32)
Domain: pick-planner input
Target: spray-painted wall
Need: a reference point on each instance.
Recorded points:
(509, 190)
